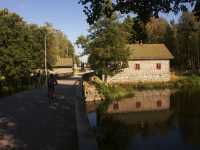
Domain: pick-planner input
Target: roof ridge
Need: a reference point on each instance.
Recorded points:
(149, 51)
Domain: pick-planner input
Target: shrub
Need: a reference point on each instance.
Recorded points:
(112, 93)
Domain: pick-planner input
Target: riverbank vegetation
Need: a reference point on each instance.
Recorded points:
(116, 92)
(180, 82)
(22, 50)
(110, 92)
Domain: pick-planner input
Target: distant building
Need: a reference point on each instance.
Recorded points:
(147, 62)
(63, 67)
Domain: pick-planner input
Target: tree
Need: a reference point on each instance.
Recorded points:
(22, 47)
(170, 41)
(106, 46)
(156, 30)
(127, 27)
(15, 54)
(144, 9)
(83, 42)
(197, 9)
(188, 47)
(64, 46)
(140, 31)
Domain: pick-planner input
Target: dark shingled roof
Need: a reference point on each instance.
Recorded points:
(64, 62)
(149, 51)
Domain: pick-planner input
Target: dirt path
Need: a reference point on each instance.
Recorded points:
(28, 122)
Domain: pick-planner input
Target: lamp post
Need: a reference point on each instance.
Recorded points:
(45, 58)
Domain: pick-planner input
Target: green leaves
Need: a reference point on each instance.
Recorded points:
(106, 46)
(144, 9)
(22, 46)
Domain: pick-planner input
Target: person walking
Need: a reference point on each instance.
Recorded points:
(51, 87)
(38, 76)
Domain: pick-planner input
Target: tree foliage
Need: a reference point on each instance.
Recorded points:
(15, 55)
(83, 42)
(64, 46)
(156, 29)
(182, 39)
(144, 9)
(106, 46)
(22, 46)
(188, 43)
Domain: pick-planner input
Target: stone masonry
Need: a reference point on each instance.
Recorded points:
(147, 72)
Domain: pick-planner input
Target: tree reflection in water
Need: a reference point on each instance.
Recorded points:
(113, 135)
(117, 130)
(187, 113)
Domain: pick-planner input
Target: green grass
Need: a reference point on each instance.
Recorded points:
(112, 93)
(183, 82)
(189, 82)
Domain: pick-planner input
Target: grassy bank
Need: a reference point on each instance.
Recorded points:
(117, 91)
(181, 82)
(112, 93)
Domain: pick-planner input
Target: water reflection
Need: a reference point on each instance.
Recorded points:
(142, 101)
(151, 120)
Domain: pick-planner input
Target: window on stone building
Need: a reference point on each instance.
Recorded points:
(138, 104)
(159, 103)
(158, 66)
(115, 106)
(137, 66)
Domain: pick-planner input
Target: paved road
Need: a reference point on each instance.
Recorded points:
(28, 122)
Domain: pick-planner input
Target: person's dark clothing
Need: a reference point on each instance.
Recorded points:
(51, 87)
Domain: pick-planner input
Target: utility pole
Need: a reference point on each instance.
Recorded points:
(67, 52)
(45, 58)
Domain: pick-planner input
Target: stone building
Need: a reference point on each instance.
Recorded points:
(63, 67)
(147, 62)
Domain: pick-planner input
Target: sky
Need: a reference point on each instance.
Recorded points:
(65, 15)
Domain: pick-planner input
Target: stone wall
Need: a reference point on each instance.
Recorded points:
(91, 93)
(147, 72)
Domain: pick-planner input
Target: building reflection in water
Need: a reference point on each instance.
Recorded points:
(149, 100)
(144, 113)
(149, 120)
(146, 107)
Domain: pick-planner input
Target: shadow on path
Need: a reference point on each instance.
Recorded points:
(28, 122)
